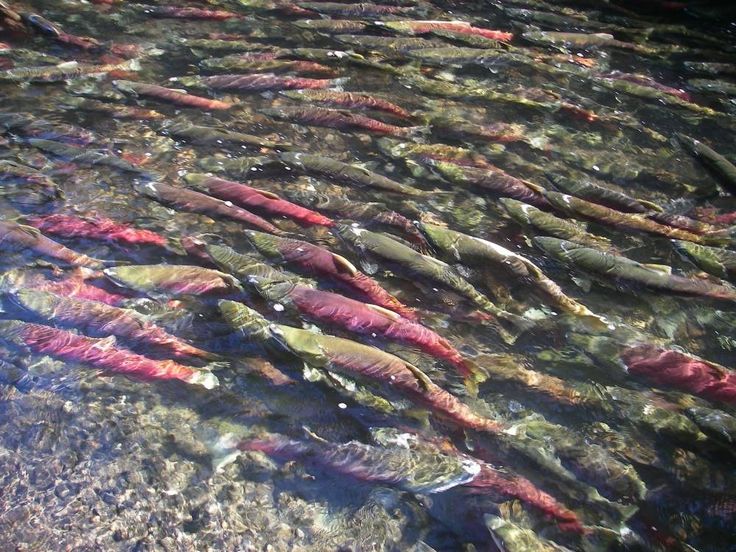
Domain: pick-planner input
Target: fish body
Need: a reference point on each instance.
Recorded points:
(35, 188)
(348, 100)
(717, 164)
(716, 261)
(268, 62)
(101, 320)
(512, 537)
(397, 45)
(492, 179)
(63, 71)
(474, 251)
(552, 225)
(457, 128)
(97, 228)
(417, 264)
(431, 153)
(582, 41)
(169, 95)
(590, 191)
(369, 213)
(317, 260)
(74, 284)
(211, 135)
(259, 200)
(196, 202)
(423, 27)
(363, 9)
(333, 169)
(17, 238)
(82, 156)
(188, 12)
(632, 221)
(355, 359)
(671, 368)
(102, 354)
(332, 26)
(28, 126)
(256, 82)
(173, 280)
(616, 267)
(335, 118)
(362, 318)
(243, 167)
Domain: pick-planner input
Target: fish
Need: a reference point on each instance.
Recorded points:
(336, 118)
(363, 9)
(645, 80)
(715, 423)
(188, 12)
(103, 354)
(100, 320)
(355, 359)
(553, 225)
(83, 156)
(363, 318)
(260, 200)
(494, 180)
(369, 213)
(243, 267)
(113, 110)
(460, 129)
(424, 266)
(256, 82)
(73, 284)
(18, 238)
(242, 167)
(163, 279)
(720, 167)
(35, 188)
(428, 154)
(43, 25)
(196, 202)
(423, 27)
(716, 261)
(332, 26)
(428, 473)
(688, 373)
(333, 169)
(28, 126)
(65, 71)
(711, 68)
(583, 41)
(96, 228)
(169, 95)
(474, 251)
(387, 44)
(314, 259)
(268, 62)
(348, 100)
(585, 188)
(511, 537)
(712, 86)
(211, 135)
(610, 266)
(632, 221)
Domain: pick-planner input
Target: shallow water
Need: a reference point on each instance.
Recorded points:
(586, 450)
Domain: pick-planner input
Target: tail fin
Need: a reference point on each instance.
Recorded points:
(224, 450)
(205, 378)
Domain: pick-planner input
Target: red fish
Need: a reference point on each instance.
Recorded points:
(423, 27)
(17, 238)
(687, 373)
(337, 118)
(262, 82)
(170, 95)
(74, 284)
(318, 260)
(350, 100)
(260, 200)
(100, 353)
(367, 319)
(97, 228)
(195, 202)
(101, 320)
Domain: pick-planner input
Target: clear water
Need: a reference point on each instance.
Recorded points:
(93, 460)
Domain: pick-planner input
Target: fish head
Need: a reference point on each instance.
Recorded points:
(267, 244)
(273, 290)
(196, 179)
(439, 236)
(516, 209)
(40, 302)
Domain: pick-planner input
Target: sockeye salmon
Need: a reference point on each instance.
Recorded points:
(96, 228)
(103, 354)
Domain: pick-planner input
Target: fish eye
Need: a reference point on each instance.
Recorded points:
(42, 24)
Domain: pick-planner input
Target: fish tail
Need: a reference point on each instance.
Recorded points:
(224, 450)
(205, 378)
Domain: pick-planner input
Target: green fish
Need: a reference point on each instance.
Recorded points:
(716, 261)
(615, 267)
(720, 167)
(427, 267)
(553, 225)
